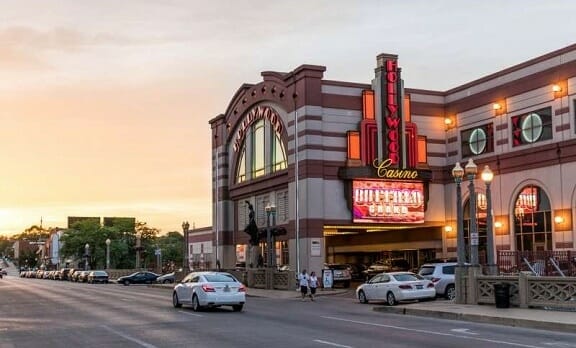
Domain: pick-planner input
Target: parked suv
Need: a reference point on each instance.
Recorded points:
(442, 275)
(390, 265)
(341, 274)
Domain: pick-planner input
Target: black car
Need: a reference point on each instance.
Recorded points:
(143, 277)
(98, 277)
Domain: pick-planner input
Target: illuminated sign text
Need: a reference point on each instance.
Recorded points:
(260, 112)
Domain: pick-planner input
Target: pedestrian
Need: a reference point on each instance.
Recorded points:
(312, 284)
(303, 281)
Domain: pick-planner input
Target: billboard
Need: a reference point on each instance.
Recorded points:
(390, 202)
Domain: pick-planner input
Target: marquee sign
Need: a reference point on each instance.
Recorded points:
(382, 201)
(392, 117)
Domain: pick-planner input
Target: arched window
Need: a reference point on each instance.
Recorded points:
(532, 220)
(262, 152)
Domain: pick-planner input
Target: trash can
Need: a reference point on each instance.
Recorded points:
(502, 295)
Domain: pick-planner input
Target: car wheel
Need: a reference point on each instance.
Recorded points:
(237, 308)
(391, 299)
(450, 292)
(126, 282)
(196, 304)
(362, 297)
(175, 301)
(166, 281)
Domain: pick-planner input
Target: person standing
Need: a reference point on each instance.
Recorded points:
(303, 282)
(312, 284)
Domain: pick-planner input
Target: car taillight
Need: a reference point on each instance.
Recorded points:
(242, 288)
(405, 287)
(430, 285)
(208, 288)
(435, 280)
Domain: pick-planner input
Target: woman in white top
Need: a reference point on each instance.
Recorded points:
(313, 284)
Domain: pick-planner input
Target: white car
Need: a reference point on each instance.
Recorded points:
(209, 289)
(394, 287)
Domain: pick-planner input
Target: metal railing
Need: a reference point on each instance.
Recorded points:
(557, 263)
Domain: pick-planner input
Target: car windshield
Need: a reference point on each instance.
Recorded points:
(100, 273)
(426, 271)
(338, 266)
(406, 277)
(219, 277)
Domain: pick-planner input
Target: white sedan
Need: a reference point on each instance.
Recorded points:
(209, 289)
(394, 287)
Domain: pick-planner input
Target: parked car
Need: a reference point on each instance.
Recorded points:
(3, 272)
(340, 274)
(209, 289)
(98, 277)
(73, 276)
(442, 275)
(143, 277)
(394, 287)
(82, 277)
(167, 278)
(389, 265)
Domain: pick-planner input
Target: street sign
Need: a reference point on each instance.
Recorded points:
(158, 252)
(474, 241)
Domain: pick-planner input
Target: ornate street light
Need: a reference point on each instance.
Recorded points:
(270, 211)
(487, 177)
(458, 174)
(86, 255)
(471, 170)
(185, 229)
(108, 253)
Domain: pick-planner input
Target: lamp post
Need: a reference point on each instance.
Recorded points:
(471, 170)
(487, 176)
(185, 229)
(108, 253)
(458, 174)
(270, 211)
(138, 248)
(86, 255)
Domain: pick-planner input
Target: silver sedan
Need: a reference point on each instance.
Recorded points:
(394, 287)
(209, 289)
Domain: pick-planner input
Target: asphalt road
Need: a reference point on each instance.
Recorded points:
(46, 313)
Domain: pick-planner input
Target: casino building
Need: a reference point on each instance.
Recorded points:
(357, 172)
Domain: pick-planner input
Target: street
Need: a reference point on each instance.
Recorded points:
(47, 313)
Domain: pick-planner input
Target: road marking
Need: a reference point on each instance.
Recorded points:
(464, 331)
(559, 344)
(332, 344)
(129, 338)
(192, 314)
(433, 332)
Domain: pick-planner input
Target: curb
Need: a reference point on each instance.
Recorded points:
(479, 318)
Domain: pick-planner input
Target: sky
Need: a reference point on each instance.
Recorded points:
(104, 105)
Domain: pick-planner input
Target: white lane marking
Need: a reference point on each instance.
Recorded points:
(464, 331)
(559, 344)
(129, 338)
(192, 314)
(332, 344)
(433, 332)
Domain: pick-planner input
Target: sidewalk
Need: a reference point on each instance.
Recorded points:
(542, 319)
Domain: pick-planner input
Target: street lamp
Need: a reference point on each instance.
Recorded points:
(471, 170)
(185, 229)
(487, 176)
(270, 211)
(138, 248)
(86, 254)
(108, 253)
(458, 174)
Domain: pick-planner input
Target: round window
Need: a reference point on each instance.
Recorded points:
(531, 128)
(477, 141)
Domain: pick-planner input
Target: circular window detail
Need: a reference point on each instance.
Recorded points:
(477, 141)
(531, 128)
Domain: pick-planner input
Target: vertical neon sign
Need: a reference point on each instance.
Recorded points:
(392, 118)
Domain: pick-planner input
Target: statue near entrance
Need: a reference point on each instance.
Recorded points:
(252, 230)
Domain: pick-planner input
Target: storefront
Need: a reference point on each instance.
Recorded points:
(374, 162)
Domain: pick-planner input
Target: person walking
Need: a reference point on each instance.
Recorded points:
(312, 284)
(303, 282)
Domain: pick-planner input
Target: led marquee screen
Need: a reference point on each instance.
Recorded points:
(394, 202)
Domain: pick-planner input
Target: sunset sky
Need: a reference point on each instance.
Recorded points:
(104, 105)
